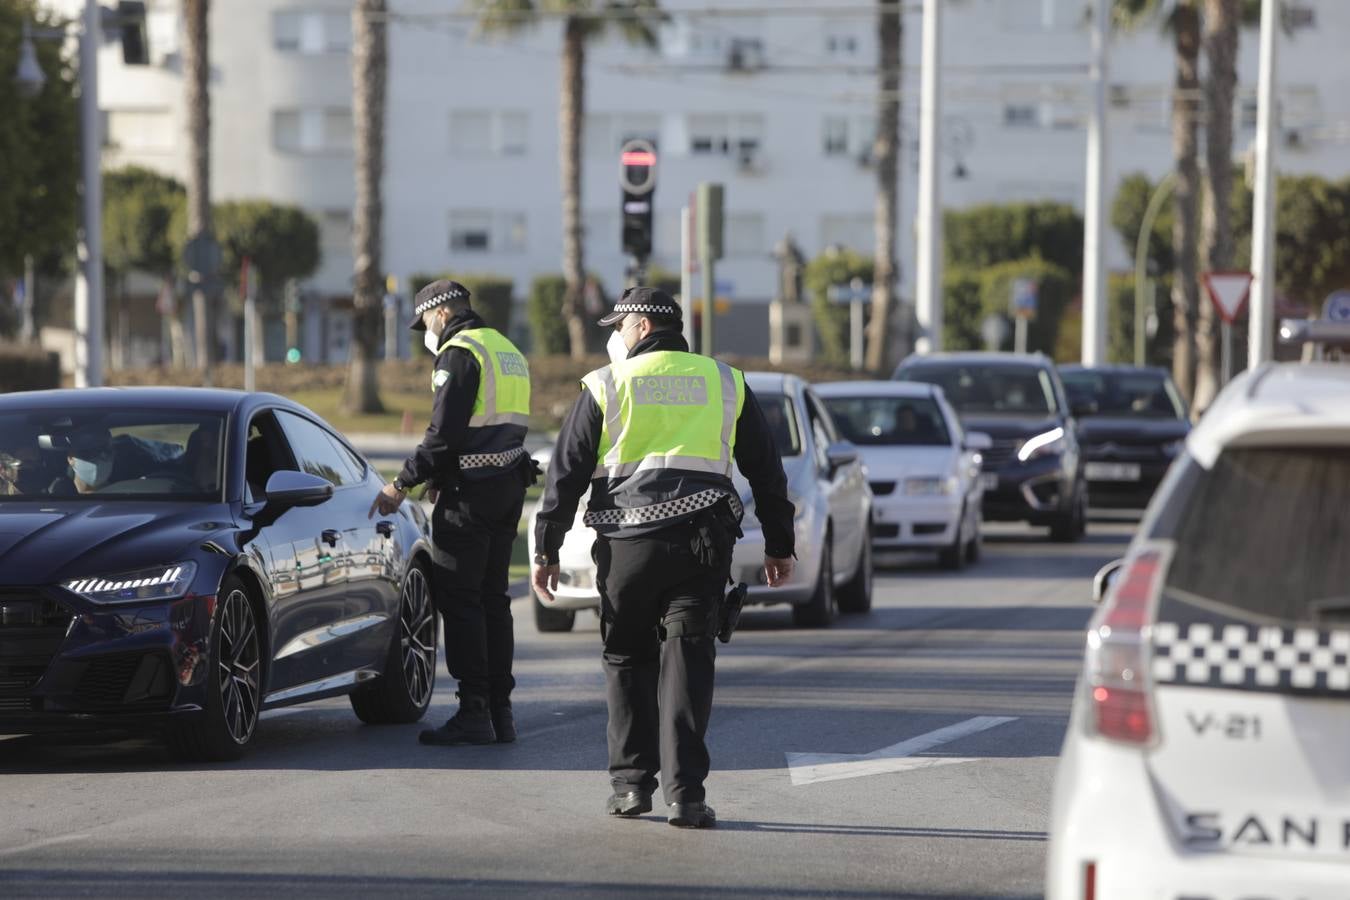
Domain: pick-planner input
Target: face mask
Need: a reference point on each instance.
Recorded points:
(432, 340)
(93, 472)
(617, 349)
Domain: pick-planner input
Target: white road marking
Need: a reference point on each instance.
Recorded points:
(812, 768)
(45, 842)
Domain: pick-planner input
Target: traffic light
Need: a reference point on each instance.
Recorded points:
(637, 179)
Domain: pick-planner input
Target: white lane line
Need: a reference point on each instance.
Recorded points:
(45, 842)
(812, 768)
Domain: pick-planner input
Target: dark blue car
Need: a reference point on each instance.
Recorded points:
(180, 560)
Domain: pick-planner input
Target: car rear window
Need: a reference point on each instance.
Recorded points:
(990, 389)
(781, 417)
(889, 421)
(1267, 530)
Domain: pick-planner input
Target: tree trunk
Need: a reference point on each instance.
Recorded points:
(571, 114)
(885, 154)
(369, 71)
(1221, 41)
(180, 352)
(1185, 126)
(197, 86)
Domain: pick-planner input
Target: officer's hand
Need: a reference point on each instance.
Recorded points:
(777, 571)
(386, 501)
(431, 494)
(546, 581)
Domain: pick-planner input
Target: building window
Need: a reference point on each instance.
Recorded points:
(718, 135)
(606, 133)
(311, 31)
(1021, 115)
(745, 235)
(1039, 15)
(841, 44)
(834, 135)
(482, 231)
(852, 231)
(312, 130)
(480, 133)
(139, 130)
(335, 231)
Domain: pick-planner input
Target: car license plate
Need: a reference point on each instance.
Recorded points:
(1098, 471)
(989, 481)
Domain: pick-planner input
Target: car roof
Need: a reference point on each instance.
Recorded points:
(175, 398)
(978, 357)
(1306, 402)
(772, 382)
(876, 389)
(1113, 369)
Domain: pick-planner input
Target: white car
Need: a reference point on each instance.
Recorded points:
(924, 470)
(834, 510)
(1208, 751)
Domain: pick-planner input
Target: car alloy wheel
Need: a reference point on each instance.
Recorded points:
(417, 636)
(237, 663)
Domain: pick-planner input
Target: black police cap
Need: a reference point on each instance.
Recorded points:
(646, 301)
(433, 295)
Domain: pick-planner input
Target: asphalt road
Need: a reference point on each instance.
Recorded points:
(904, 753)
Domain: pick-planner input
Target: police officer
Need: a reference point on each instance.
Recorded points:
(654, 436)
(473, 457)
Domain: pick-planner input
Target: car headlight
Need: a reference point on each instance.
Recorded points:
(930, 486)
(159, 583)
(1043, 444)
(1173, 449)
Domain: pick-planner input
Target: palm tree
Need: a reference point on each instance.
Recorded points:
(197, 69)
(1222, 18)
(583, 21)
(886, 157)
(1183, 22)
(369, 71)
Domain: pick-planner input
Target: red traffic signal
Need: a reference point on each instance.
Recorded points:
(637, 167)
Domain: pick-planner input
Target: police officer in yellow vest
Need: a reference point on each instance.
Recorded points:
(654, 436)
(473, 457)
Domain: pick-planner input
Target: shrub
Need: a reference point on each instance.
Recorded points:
(822, 273)
(1054, 291)
(548, 331)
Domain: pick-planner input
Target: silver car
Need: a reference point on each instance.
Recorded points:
(833, 521)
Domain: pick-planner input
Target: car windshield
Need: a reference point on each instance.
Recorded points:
(990, 388)
(781, 417)
(1265, 531)
(889, 421)
(1146, 395)
(102, 455)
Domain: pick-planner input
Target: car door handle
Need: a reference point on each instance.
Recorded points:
(385, 528)
(331, 536)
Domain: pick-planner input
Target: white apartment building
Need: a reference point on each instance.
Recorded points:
(775, 100)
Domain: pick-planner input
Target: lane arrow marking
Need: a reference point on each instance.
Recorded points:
(813, 768)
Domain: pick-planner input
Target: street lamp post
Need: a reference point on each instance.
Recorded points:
(89, 277)
(1094, 206)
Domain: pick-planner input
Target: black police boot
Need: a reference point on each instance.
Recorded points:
(629, 803)
(503, 723)
(471, 725)
(692, 815)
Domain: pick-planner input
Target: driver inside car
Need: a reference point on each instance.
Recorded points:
(201, 457)
(91, 460)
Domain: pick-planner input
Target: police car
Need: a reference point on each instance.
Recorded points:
(1208, 752)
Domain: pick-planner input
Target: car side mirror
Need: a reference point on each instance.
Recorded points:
(840, 454)
(289, 488)
(978, 440)
(1105, 577)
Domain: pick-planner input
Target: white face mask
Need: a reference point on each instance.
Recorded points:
(93, 472)
(616, 348)
(432, 340)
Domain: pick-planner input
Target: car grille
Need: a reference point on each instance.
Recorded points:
(32, 629)
(1124, 452)
(123, 679)
(1002, 451)
(882, 488)
(886, 530)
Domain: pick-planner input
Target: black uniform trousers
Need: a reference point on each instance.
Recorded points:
(659, 610)
(472, 529)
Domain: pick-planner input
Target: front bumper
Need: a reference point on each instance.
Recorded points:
(900, 522)
(78, 665)
(1037, 491)
(1106, 812)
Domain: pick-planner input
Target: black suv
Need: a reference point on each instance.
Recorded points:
(1033, 472)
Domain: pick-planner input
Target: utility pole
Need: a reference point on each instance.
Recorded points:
(929, 268)
(89, 301)
(687, 276)
(709, 215)
(1262, 322)
(1094, 204)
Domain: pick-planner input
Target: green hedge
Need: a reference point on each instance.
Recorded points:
(962, 310)
(548, 331)
(821, 274)
(492, 295)
(1055, 290)
(28, 368)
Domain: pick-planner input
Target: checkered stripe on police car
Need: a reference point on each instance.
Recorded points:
(483, 460)
(1252, 657)
(656, 512)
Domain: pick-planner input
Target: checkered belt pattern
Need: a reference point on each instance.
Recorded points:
(1252, 657)
(657, 512)
(494, 460)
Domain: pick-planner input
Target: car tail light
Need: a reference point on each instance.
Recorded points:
(1118, 654)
